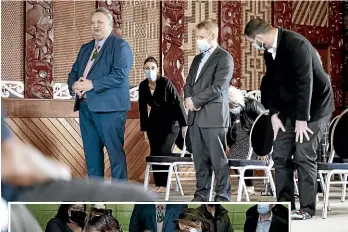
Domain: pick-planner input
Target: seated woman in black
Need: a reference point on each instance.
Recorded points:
(70, 218)
(243, 112)
(161, 127)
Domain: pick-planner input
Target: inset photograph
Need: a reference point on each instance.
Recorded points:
(101, 217)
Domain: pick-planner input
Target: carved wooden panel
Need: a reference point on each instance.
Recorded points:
(282, 14)
(172, 41)
(115, 7)
(231, 34)
(345, 44)
(39, 49)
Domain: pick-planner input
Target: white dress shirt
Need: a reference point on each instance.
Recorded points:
(273, 49)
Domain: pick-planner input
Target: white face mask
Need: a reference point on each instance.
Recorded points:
(236, 110)
(258, 47)
(151, 74)
(195, 230)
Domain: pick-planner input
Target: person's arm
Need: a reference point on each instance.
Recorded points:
(269, 90)
(134, 223)
(73, 75)
(144, 117)
(220, 83)
(122, 63)
(231, 135)
(229, 227)
(178, 105)
(302, 62)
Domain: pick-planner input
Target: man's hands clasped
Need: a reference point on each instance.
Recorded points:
(82, 86)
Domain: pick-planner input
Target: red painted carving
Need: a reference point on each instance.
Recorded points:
(317, 35)
(345, 44)
(231, 34)
(335, 25)
(172, 41)
(115, 7)
(39, 50)
(282, 14)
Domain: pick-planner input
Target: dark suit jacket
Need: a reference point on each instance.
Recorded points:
(300, 88)
(277, 224)
(210, 92)
(167, 110)
(109, 75)
(144, 217)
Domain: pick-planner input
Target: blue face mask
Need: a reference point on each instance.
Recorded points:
(203, 44)
(263, 209)
(151, 74)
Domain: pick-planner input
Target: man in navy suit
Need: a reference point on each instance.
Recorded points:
(155, 218)
(99, 79)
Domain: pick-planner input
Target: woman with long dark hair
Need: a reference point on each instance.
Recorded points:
(69, 218)
(167, 116)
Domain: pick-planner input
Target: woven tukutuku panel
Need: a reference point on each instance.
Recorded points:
(71, 31)
(12, 40)
(141, 29)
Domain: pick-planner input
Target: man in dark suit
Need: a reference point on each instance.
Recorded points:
(266, 221)
(300, 101)
(100, 81)
(206, 97)
(155, 218)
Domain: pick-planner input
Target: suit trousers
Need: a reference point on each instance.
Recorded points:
(304, 155)
(208, 148)
(161, 143)
(99, 129)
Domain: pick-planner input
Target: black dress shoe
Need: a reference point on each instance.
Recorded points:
(221, 199)
(198, 198)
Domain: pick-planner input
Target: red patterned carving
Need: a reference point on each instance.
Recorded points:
(231, 34)
(317, 35)
(345, 44)
(115, 7)
(335, 25)
(39, 50)
(172, 41)
(282, 13)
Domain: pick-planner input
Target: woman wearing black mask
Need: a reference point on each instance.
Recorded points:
(69, 218)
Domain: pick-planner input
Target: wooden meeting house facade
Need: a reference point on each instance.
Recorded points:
(41, 39)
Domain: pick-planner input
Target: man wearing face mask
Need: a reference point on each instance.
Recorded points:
(266, 221)
(99, 80)
(300, 101)
(243, 112)
(206, 97)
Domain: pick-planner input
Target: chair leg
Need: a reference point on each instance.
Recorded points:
(147, 176)
(211, 186)
(246, 194)
(326, 195)
(344, 189)
(295, 184)
(169, 181)
(271, 182)
(323, 187)
(178, 180)
(240, 184)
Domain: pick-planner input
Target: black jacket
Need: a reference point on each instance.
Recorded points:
(277, 224)
(221, 222)
(249, 113)
(299, 87)
(167, 110)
